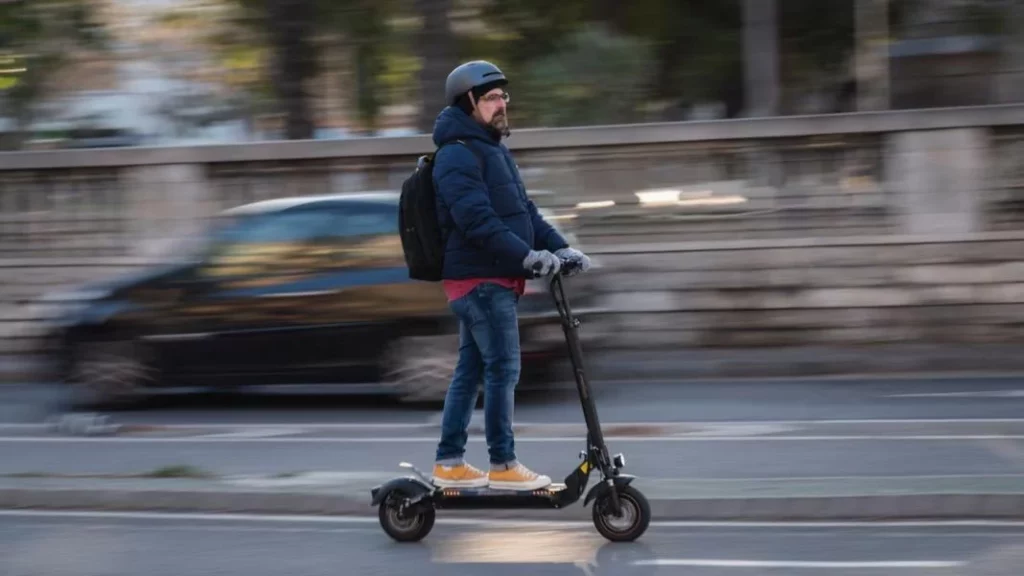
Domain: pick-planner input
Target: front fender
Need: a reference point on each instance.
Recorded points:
(602, 487)
(410, 485)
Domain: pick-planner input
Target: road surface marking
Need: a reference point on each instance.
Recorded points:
(269, 425)
(605, 423)
(964, 394)
(340, 479)
(196, 528)
(298, 518)
(218, 439)
(320, 478)
(695, 562)
(256, 433)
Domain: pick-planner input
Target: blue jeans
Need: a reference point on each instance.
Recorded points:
(488, 352)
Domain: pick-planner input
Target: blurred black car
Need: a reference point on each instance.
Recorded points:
(310, 290)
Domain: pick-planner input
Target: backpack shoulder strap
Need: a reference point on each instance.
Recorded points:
(479, 158)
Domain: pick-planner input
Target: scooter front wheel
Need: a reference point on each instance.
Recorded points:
(635, 518)
(408, 527)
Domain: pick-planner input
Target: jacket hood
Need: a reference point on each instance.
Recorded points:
(454, 124)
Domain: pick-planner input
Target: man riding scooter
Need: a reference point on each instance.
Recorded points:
(496, 239)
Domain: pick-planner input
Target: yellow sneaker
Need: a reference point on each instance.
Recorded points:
(461, 476)
(518, 478)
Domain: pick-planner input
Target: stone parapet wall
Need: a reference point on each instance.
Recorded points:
(837, 291)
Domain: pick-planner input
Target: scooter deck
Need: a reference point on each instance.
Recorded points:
(549, 497)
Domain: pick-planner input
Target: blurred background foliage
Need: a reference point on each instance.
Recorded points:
(39, 41)
(291, 68)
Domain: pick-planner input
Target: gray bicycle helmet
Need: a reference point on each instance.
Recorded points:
(467, 76)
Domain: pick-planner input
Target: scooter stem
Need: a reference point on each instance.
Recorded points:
(595, 436)
(569, 325)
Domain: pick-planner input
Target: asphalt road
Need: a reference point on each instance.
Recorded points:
(741, 458)
(745, 400)
(127, 545)
(877, 449)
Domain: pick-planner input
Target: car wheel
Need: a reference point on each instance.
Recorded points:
(108, 373)
(420, 368)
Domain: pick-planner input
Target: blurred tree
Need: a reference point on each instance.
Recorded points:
(38, 39)
(436, 48)
(215, 47)
(696, 46)
(359, 28)
(291, 25)
(521, 31)
(817, 43)
(700, 54)
(595, 77)
(303, 34)
(693, 47)
(369, 35)
(872, 60)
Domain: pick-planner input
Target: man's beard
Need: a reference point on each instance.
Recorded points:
(499, 124)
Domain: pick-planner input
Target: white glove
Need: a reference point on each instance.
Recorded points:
(580, 261)
(542, 263)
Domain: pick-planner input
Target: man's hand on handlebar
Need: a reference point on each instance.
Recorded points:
(570, 267)
(564, 262)
(573, 261)
(542, 263)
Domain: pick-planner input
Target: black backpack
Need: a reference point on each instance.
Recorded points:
(422, 238)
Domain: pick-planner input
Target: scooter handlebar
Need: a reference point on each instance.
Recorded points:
(566, 267)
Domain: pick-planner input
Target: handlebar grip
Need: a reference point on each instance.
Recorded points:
(568, 266)
(564, 269)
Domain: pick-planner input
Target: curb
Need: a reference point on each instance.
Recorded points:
(903, 507)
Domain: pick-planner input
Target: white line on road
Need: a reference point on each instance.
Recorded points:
(298, 518)
(225, 425)
(606, 424)
(219, 439)
(795, 563)
(233, 528)
(963, 394)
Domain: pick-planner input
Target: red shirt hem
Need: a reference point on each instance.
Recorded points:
(455, 289)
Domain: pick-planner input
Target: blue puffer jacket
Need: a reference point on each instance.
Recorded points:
(490, 222)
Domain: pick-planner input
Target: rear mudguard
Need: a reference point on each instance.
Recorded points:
(410, 485)
(601, 488)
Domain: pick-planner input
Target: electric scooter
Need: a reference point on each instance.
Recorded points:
(621, 513)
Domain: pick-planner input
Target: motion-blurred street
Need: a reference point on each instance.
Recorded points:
(800, 225)
(158, 545)
(714, 439)
(899, 434)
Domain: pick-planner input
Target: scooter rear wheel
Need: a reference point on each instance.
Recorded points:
(408, 528)
(636, 515)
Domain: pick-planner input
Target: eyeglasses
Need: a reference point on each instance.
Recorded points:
(494, 97)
